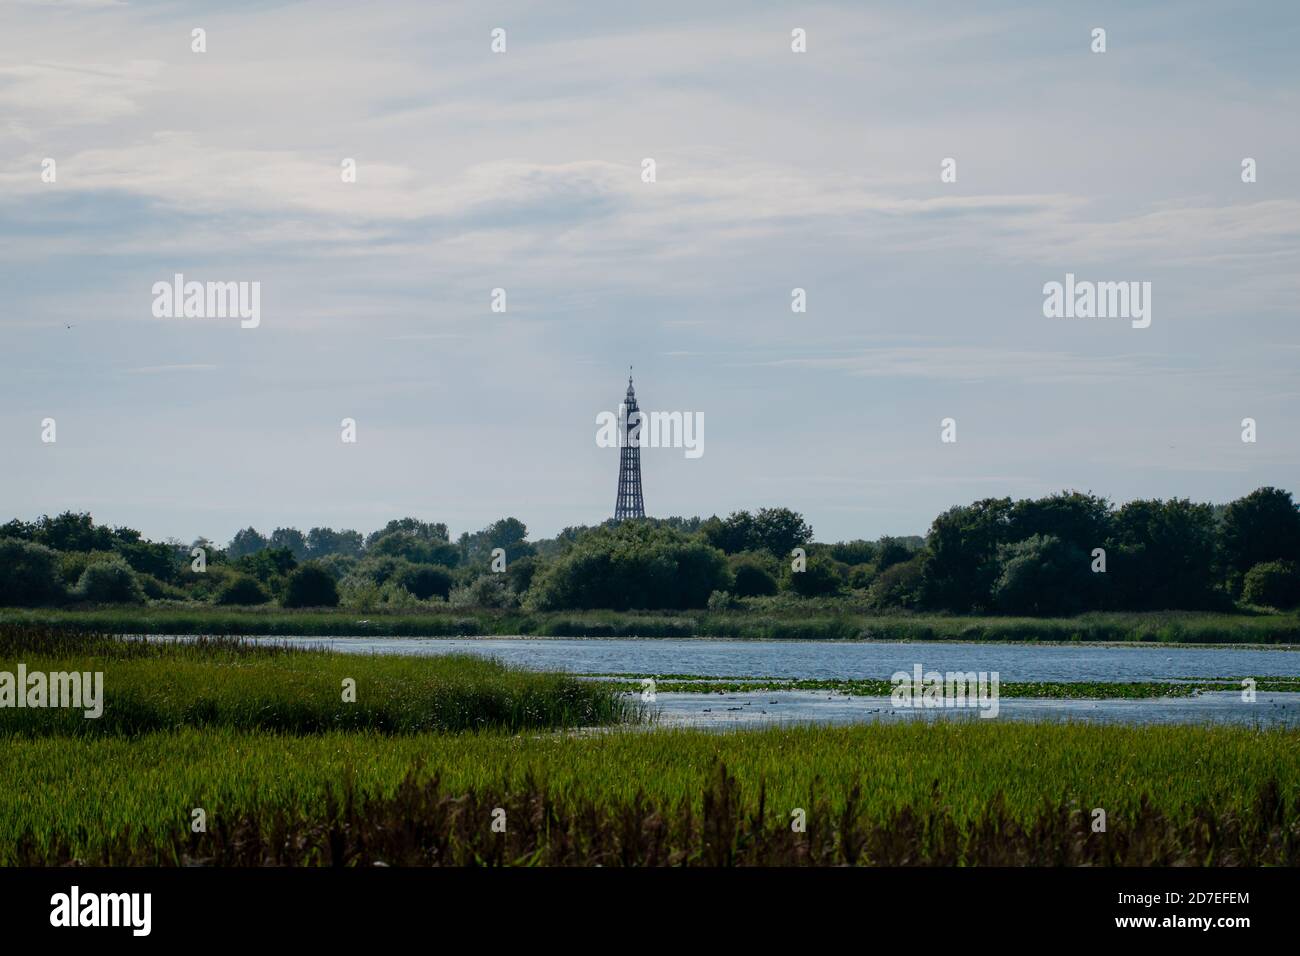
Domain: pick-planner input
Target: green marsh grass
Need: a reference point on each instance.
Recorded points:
(121, 799)
(815, 619)
(225, 682)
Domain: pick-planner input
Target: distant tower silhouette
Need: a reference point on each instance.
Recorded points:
(629, 503)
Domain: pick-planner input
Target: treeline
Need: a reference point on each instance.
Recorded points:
(1058, 555)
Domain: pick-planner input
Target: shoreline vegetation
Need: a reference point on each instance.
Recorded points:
(972, 793)
(1068, 566)
(222, 682)
(417, 769)
(819, 621)
(1041, 690)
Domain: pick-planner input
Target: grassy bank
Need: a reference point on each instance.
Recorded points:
(818, 620)
(224, 682)
(966, 792)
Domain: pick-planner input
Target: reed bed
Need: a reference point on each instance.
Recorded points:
(814, 619)
(226, 682)
(990, 792)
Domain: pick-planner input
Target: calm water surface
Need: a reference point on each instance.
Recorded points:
(853, 659)
(839, 659)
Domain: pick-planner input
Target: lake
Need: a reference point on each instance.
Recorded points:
(844, 660)
(856, 660)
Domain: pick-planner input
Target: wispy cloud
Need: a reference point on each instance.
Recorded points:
(153, 369)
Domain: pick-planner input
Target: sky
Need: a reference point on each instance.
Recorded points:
(523, 170)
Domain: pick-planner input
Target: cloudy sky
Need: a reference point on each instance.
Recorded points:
(522, 170)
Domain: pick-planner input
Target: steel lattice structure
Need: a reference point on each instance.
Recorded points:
(629, 503)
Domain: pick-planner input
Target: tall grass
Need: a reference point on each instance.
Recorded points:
(225, 682)
(962, 792)
(820, 619)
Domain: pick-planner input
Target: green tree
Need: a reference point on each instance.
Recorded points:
(110, 582)
(632, 565)
(268, 564)
(821, 578)
(323, 542)
(29, 573)
(148, 557)
(891, 551)
(734, 534)
(509, 534)
(520, 573)
(753, 576)
(854, 552)
(291, 540)
(485, 591)
(246, 542)
(1073, 517)
(781, 530)
(426, 580)
(338, 565)
(17, 528)
(424, 530)
(1161, 555)
(1273, 584)
(862, 576)
(242, 589)
(416, 549)
(898, 586)
(1042, 575)
(961, 558)
(310, 586)
(1263, 526)
(72, 532)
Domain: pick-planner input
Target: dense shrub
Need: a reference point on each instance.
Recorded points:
(487, 591)
(156, 590)
(267, 565)
(520, 573)
(752, 579)
(426, 580)
(1161, 556)
(632, 565)
(110, 581)
(821, 577)
(339, 566)
(29, 573)
(1261, 527)
(242, 589)
(1273, 584)
(899, 586)
(861, 576)
(854, 552)
(416, 549)
(1042, 575)
(961, 556)
(724, 601)
(775, 530)
(891, 551)
(72, 564)
(310, 586)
